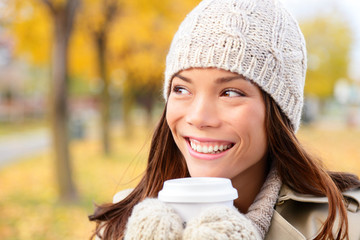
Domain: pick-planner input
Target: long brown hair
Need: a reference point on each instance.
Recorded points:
(305, 173)
(298, 169)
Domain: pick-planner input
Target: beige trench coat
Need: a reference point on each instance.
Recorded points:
(299, 216)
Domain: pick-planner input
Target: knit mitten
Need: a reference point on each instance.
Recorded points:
(152, 219)
(221, 223)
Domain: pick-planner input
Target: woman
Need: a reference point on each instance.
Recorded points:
(233, 86)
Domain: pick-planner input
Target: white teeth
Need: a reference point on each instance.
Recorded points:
(209, 149)
(205, 149)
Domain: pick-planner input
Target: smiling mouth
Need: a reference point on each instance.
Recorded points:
(209, 147)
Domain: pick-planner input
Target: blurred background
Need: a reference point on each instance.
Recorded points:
(80, 94)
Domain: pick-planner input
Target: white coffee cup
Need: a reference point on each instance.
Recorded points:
(190, 196)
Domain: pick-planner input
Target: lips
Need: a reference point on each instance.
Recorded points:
(201, 147)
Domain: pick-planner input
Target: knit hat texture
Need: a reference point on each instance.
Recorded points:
(257, 39)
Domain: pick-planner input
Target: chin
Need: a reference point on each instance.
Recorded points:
(207, 174)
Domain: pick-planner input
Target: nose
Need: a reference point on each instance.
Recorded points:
(202, 113)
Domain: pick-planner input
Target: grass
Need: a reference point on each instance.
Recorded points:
(19, 127)
(28, 197)
(338, 148)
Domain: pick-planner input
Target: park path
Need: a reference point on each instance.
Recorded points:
(17, 146)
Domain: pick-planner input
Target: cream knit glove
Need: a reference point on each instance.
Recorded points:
(153, 219)
(221, 223)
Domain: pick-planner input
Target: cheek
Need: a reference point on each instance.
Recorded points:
(257, 119)
(250, 124)
(248, 118)
(173, 119)
(172, 114)
(258, 132)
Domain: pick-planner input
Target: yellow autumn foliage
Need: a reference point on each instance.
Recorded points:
(31, 26)
(328, 40)
(138, 37)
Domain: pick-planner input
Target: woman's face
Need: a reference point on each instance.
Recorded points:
(217, 119)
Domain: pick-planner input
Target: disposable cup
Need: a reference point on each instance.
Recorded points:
(190, 196)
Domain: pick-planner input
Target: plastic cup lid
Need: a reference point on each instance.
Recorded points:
(198, 190)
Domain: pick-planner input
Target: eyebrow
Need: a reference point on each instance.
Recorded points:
(218, 80)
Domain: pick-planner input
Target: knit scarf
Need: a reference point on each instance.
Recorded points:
(262, 209)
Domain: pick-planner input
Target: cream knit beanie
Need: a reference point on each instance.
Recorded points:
(258, 39)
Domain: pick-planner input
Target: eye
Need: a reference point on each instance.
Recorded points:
(232, 93)
(180, 90)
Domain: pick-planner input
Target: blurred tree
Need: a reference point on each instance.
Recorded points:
(97, 17)
(134, 41)
(63, 14)
(43, 28)
(146, 29)
(328, 38)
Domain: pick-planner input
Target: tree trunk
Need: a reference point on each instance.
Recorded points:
(128, 103)
(104, 95)
(149, 106)
(63, 21)
(146, 98)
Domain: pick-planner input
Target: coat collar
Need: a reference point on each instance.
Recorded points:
(281, 229)
(351, 197)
